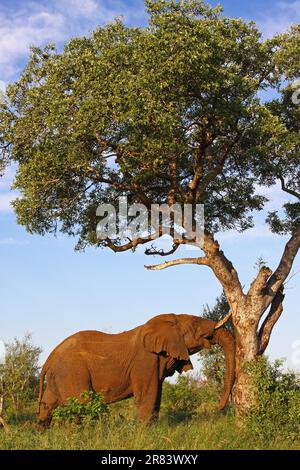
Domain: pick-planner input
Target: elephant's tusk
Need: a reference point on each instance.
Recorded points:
(223, 321)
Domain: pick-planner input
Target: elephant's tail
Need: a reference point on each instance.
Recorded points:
(41, 384)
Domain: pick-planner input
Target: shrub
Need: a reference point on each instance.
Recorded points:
(212, 360)
(277, 398)
(181, 400)
(76, 411)
(19, 373)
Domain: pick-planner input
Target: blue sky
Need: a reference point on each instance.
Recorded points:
(52, 291)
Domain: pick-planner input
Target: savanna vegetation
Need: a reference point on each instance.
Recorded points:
(188, 420)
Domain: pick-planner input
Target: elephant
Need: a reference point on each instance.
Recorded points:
(131, 363)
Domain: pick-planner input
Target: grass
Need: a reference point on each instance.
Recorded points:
(188, 420)
(207, 431)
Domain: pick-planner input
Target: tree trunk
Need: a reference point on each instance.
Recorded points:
(246, 350)
(2, 420)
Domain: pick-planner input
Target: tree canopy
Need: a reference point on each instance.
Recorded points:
(167, 113)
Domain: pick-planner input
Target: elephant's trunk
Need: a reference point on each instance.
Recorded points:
(225, 339)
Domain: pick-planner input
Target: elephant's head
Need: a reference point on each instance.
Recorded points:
(179, 336)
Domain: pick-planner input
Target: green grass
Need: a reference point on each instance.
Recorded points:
(213, 430)
(189, 420)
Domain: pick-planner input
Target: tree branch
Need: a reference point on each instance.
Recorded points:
(156, 267)
(131, 245)
(270, 321)
(287, 190)
(154, 251)
(279, 276)
(260, 282)
(5, 426)
(218, 168)
(222, 268)
(220, 265)
(198, 172)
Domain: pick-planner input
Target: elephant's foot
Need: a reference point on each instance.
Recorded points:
(43, 424)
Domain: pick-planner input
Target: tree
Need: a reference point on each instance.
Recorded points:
(19, 372)
(212, 360)
(170, 113)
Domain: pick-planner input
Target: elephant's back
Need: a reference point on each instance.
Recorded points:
(73, 342)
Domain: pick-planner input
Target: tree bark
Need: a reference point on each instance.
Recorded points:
(2, 420)
(5, 426)
(246, 350)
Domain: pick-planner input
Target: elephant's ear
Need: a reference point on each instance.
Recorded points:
(163, 334)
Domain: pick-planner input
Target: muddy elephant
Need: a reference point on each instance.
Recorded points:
(132, 363)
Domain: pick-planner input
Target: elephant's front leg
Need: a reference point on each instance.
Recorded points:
(147, 389)
(147, 403)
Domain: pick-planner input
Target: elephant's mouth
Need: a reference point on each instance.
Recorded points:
(195, 350)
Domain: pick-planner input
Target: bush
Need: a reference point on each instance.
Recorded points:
(213, 366)
(19, 374)
(181, 400)
(212, 360)
(75, 411)
(277, 398)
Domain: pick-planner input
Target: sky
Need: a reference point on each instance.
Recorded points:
(50, 290)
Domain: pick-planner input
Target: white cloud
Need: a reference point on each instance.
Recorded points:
(81, 7)
(280, 18)
(38, 24)
(18, 32)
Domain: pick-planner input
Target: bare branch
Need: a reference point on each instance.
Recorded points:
(279, 276)
(131, 245)
(224, 320)
(222, 268)
(270, 321)
(287, 190)
(155, 267)
(260, 281)
(155, 251)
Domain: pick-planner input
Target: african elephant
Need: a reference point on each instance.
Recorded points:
(132, 363)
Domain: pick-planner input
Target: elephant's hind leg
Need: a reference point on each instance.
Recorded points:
(48, 404)
(73, 378)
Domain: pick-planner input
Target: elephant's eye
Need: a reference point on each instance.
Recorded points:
(209, 337)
